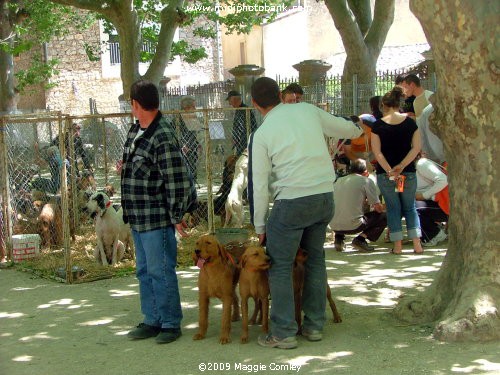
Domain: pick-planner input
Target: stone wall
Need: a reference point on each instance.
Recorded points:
(80, 79)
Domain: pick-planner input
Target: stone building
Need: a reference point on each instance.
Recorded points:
(81, 80)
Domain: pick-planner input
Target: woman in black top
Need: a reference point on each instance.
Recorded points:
(395, 143)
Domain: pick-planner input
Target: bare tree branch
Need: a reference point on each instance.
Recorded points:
(383, 17)
(171, 18)
(363, 14)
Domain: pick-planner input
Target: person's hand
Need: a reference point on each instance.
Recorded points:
(118, 166)
(262, 239)
(378, 207)
(180, 227)
(419, 197)
(395, 171)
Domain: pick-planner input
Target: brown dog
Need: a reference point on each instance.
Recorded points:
(298, 287)
(217, 278)
(254, 283)
(50, 226)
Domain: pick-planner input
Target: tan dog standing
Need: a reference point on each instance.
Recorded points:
(254, 283)
(298, 287)
(217, 278)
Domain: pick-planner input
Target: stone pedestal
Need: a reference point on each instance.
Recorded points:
(312, 72)
(245, 75)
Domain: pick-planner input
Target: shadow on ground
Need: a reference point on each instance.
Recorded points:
(49, 328)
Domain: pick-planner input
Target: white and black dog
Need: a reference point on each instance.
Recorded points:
(113, 235)
(234, 202)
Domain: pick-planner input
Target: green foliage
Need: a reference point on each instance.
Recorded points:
(238, 17)
(38, 72)
(191, 55)
(93, 51)
(41, 21)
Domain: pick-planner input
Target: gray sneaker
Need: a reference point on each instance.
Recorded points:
(312, 335)
(269, 341)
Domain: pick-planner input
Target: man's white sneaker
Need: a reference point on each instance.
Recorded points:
(440, 237)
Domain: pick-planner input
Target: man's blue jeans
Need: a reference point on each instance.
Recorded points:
(295, 223)
(399, 205)
(156, 259)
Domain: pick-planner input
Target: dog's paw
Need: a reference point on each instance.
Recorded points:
(244, 339)
(337, 319)
(198, 336)
(224, 340)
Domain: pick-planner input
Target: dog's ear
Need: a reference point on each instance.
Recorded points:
(243, 261)
(100, 201)
(222, 250)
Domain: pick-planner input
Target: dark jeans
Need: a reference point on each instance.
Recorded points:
(295, 223)
(373, 225)
(430, 214)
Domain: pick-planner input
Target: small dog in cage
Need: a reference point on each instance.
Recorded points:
(234, 202)
(112, 233)
(50, 225)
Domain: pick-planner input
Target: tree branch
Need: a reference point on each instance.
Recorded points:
(383, 17)
(349, 31)
(363, 14)
(102, 7)
(171, 17)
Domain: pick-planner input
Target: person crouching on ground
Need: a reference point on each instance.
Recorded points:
(350, 194)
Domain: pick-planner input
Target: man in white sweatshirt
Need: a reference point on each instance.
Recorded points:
(289, 165)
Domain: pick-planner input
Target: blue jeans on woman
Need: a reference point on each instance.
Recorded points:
(400, 205)
(293, 223)
(156, 259)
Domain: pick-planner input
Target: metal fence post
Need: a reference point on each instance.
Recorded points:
(208, 165)
(355, 98)
(65, 126)
(6, 205)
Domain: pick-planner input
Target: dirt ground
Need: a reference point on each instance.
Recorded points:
(50, 328)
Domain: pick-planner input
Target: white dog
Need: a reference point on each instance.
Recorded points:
(234, 202)
(113, 235)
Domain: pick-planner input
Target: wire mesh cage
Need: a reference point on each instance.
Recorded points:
(51, 165)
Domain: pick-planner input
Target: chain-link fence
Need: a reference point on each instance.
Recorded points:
(51, 164)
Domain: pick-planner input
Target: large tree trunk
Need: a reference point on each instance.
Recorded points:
(464, 297)
(7, 94)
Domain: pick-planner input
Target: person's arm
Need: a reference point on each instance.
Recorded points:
(338, 127)
(416, 146)
(431, 172)
(377, 150)
(258, 180)
(175, 173)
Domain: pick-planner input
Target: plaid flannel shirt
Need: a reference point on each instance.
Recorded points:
(156, 186)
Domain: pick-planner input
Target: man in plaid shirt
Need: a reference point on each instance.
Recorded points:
(156, 191)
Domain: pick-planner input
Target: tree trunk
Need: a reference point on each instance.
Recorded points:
(363, 39)
(463, 300)
(129, 35)
(7, 95)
